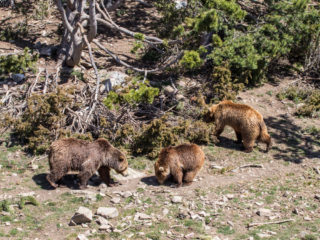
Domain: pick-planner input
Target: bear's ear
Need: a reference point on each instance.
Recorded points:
(161, 169)
(121, 158)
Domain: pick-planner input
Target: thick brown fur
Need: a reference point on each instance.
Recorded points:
(246, 122)
(72, 154)
(182, 162)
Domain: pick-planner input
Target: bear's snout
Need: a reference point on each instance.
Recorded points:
(125, 173)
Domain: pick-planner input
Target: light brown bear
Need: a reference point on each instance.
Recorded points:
(182, 162)
(246, 122)
(72, 154)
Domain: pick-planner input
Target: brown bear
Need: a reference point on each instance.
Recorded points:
(72, 154)
(246, 122)
(182, 162)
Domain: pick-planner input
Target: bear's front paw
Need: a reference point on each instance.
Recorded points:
(114, 184)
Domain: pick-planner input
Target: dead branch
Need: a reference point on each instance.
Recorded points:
(248, 166)
(268, 223)
(96, 72)
(31, 88)
(46, 83)
(118, 60)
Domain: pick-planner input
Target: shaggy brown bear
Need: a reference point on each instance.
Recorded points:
(86, 157)
(246, 122)
(182, 162)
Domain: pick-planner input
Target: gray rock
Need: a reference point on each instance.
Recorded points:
(108, 212)
(179, 97)
(102, 221)
(190, 235)
(230, 196)
(317, 196)
(81, 237)
(165, 211)
(263, 235)
(141, 216)
(176, 199)
(213, 166)
(169, 91)
(83, 215)
(18, 77)
(112, 79)
(115, 200)
(126, 194)
(180, 4)
(263, 212)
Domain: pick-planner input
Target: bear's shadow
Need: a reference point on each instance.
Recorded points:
(233, 145)
(229, 143)
(152, 181)
(68, 181)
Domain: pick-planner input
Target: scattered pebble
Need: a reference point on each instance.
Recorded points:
(176, 199)
(108, 212)
(115, 200)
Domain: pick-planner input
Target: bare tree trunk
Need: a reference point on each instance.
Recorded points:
(73, 15)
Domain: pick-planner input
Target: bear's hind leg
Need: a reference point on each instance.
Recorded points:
(55, 176)
(189, 176)
(50, 179)
(86, 172)
(104, 173)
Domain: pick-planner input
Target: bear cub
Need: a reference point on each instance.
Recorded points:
(72, 154)
(246, 122)
(182, 162)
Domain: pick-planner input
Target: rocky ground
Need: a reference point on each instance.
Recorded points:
(237, 195)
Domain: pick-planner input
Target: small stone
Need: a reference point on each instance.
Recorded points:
(165, 211)
(307, 218)
(203, 214)
(126, 194)
(168, 90)
(259, 203)
(102, 221)
(215, 166)
(7, 223)
(19, 229)
(83, 215)
(183, 214)
(81, 237)
(104, 227)
(141, 216)
(169, 233)
(141, 233)
(176, 199)
(107, 212)
(179, 97)
(27, 194)
(263, 212)
(190, 235)
(115, 200)
(216, 238)
(84, 225)
(295, 211)
(285, 194)
(317, 196)
(34, 166)
(230, 223)
(195, 216)
(230, 196)
(263, 235)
